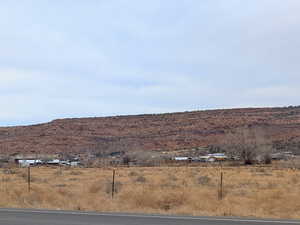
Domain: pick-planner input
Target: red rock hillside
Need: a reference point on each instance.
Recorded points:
(150, 132)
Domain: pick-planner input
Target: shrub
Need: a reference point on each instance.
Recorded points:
(203, 180)
(60, 185)
(95, 187)
(267, 159)
(108, 187)
(75, 173)
(140, 179)
(133, 174)
(58, 173)
(32, 178)
(9, 171)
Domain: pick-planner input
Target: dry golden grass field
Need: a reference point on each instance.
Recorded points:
(247, 191)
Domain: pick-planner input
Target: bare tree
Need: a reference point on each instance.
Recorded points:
(248, 143)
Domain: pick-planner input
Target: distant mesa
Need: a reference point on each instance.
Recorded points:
(155, 132)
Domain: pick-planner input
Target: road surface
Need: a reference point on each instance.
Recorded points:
(49, 217)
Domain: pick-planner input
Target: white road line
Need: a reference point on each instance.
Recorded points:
(151, 216)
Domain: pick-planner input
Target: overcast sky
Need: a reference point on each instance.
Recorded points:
(68, 58)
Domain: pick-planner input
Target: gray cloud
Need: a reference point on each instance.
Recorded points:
(96, 58)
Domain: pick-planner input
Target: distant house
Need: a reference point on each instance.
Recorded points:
(28, 162)
(53, 162)
(211, 157)
(182, 158)
(29, 158)
(56, 162)
(282, 156)
(217, 157)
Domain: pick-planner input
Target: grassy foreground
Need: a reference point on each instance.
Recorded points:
(248, 191)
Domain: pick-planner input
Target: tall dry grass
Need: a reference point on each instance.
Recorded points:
(248, 191)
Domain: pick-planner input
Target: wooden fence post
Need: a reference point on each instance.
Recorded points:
(28, 178)
(113, 185)
(221, 187)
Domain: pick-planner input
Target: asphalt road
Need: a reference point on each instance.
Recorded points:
(48, 217)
